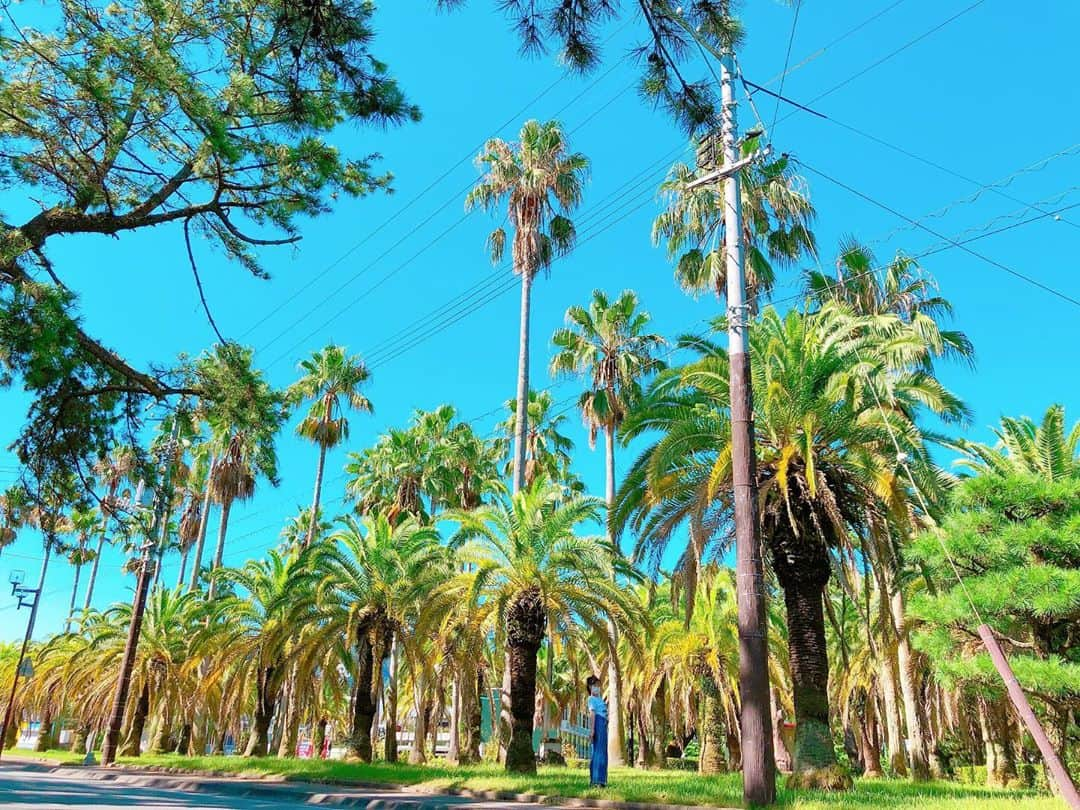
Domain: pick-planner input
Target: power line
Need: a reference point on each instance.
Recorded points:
(455, 197)
(787, 59)
(993, 262)
(821, 51)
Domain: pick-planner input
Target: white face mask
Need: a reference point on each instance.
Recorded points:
(596, 691)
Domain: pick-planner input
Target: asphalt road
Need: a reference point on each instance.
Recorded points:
(46, 788)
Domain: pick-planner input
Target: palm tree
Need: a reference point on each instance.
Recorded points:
(827, 466)
(528, 569)
(607, 345)
(1025, 447)
(547, 448)
(541, 182)
(375, 575)
(244, 417)
(253, 629)
(776, 217)
(113, 471)
(84, 523)
(331, 380)
(14, 505)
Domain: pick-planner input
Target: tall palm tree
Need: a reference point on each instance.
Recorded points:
(331, 380)
(528, 569)
(375, 575)
(84, 524)
(608, 345)
(113, 471)
(776, 216)
(541, 182)
(827, 466)
(244, 417)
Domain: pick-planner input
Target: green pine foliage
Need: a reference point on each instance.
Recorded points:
(1015, 541)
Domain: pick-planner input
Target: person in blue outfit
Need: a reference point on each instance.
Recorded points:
(598, 715)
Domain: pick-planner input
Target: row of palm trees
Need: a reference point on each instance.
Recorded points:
(460, 585)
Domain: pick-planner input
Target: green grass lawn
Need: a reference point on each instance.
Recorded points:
(676, 787)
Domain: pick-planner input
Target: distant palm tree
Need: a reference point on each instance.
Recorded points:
(244, 417)
(541, 182)
(14, 505)
(84, 523)
(527, 568)
(547, 448)
(331, 380)
(607, 345)
(776, 217)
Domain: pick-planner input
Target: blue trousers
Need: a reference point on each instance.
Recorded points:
(598, 760)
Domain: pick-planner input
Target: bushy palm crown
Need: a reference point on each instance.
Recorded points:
(527, 543)
(378, 571)
(900, 288)
(607, 343)
(826, 452)
(331, 380)
(541, 182)
(776, 221)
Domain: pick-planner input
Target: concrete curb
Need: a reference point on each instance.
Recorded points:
(401, 797)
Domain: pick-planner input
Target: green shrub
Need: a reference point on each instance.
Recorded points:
(681, 764)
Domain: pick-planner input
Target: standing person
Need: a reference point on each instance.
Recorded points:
(598, 716)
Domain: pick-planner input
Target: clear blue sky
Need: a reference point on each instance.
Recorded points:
(987, 94)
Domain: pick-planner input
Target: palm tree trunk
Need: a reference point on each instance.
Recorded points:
(132, 746)
(453, 751)
(93, 573)
(913, 709)
(265, 698)
(219, 552)
(474, 719)
(521, 422)
(525, 625)
(318, 494)
(417, 755)
(712, 750)
(290, 720)
(363, 708)
(183, 567)
(871, 753)
(809, 660)
(318, 740)
(616, 738)
(74, 591)
(894, 737)
(204, 518)
(390, 705)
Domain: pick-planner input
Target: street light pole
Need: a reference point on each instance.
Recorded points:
(16, 590)
(142, 588)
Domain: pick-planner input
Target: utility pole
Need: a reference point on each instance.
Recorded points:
(21, 592)
(759, 767)
(142, 588)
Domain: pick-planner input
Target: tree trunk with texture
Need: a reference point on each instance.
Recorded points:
(363, 708)
(45, 735)
(219, 552)
(914, 709)
(315, 499)
(997, 737)
(93, 573)
(712, 746)
(390, 703)
(74, 593)
(894, 736)
(521, 424)
(318, 740)
(417, 754)
(82, 735)
(616, 744)
(871, 752)
(265, 700)
(474, 720)
(132, 745)
(802, 568)
(204, 522)
(453, 752)
(526, 624)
